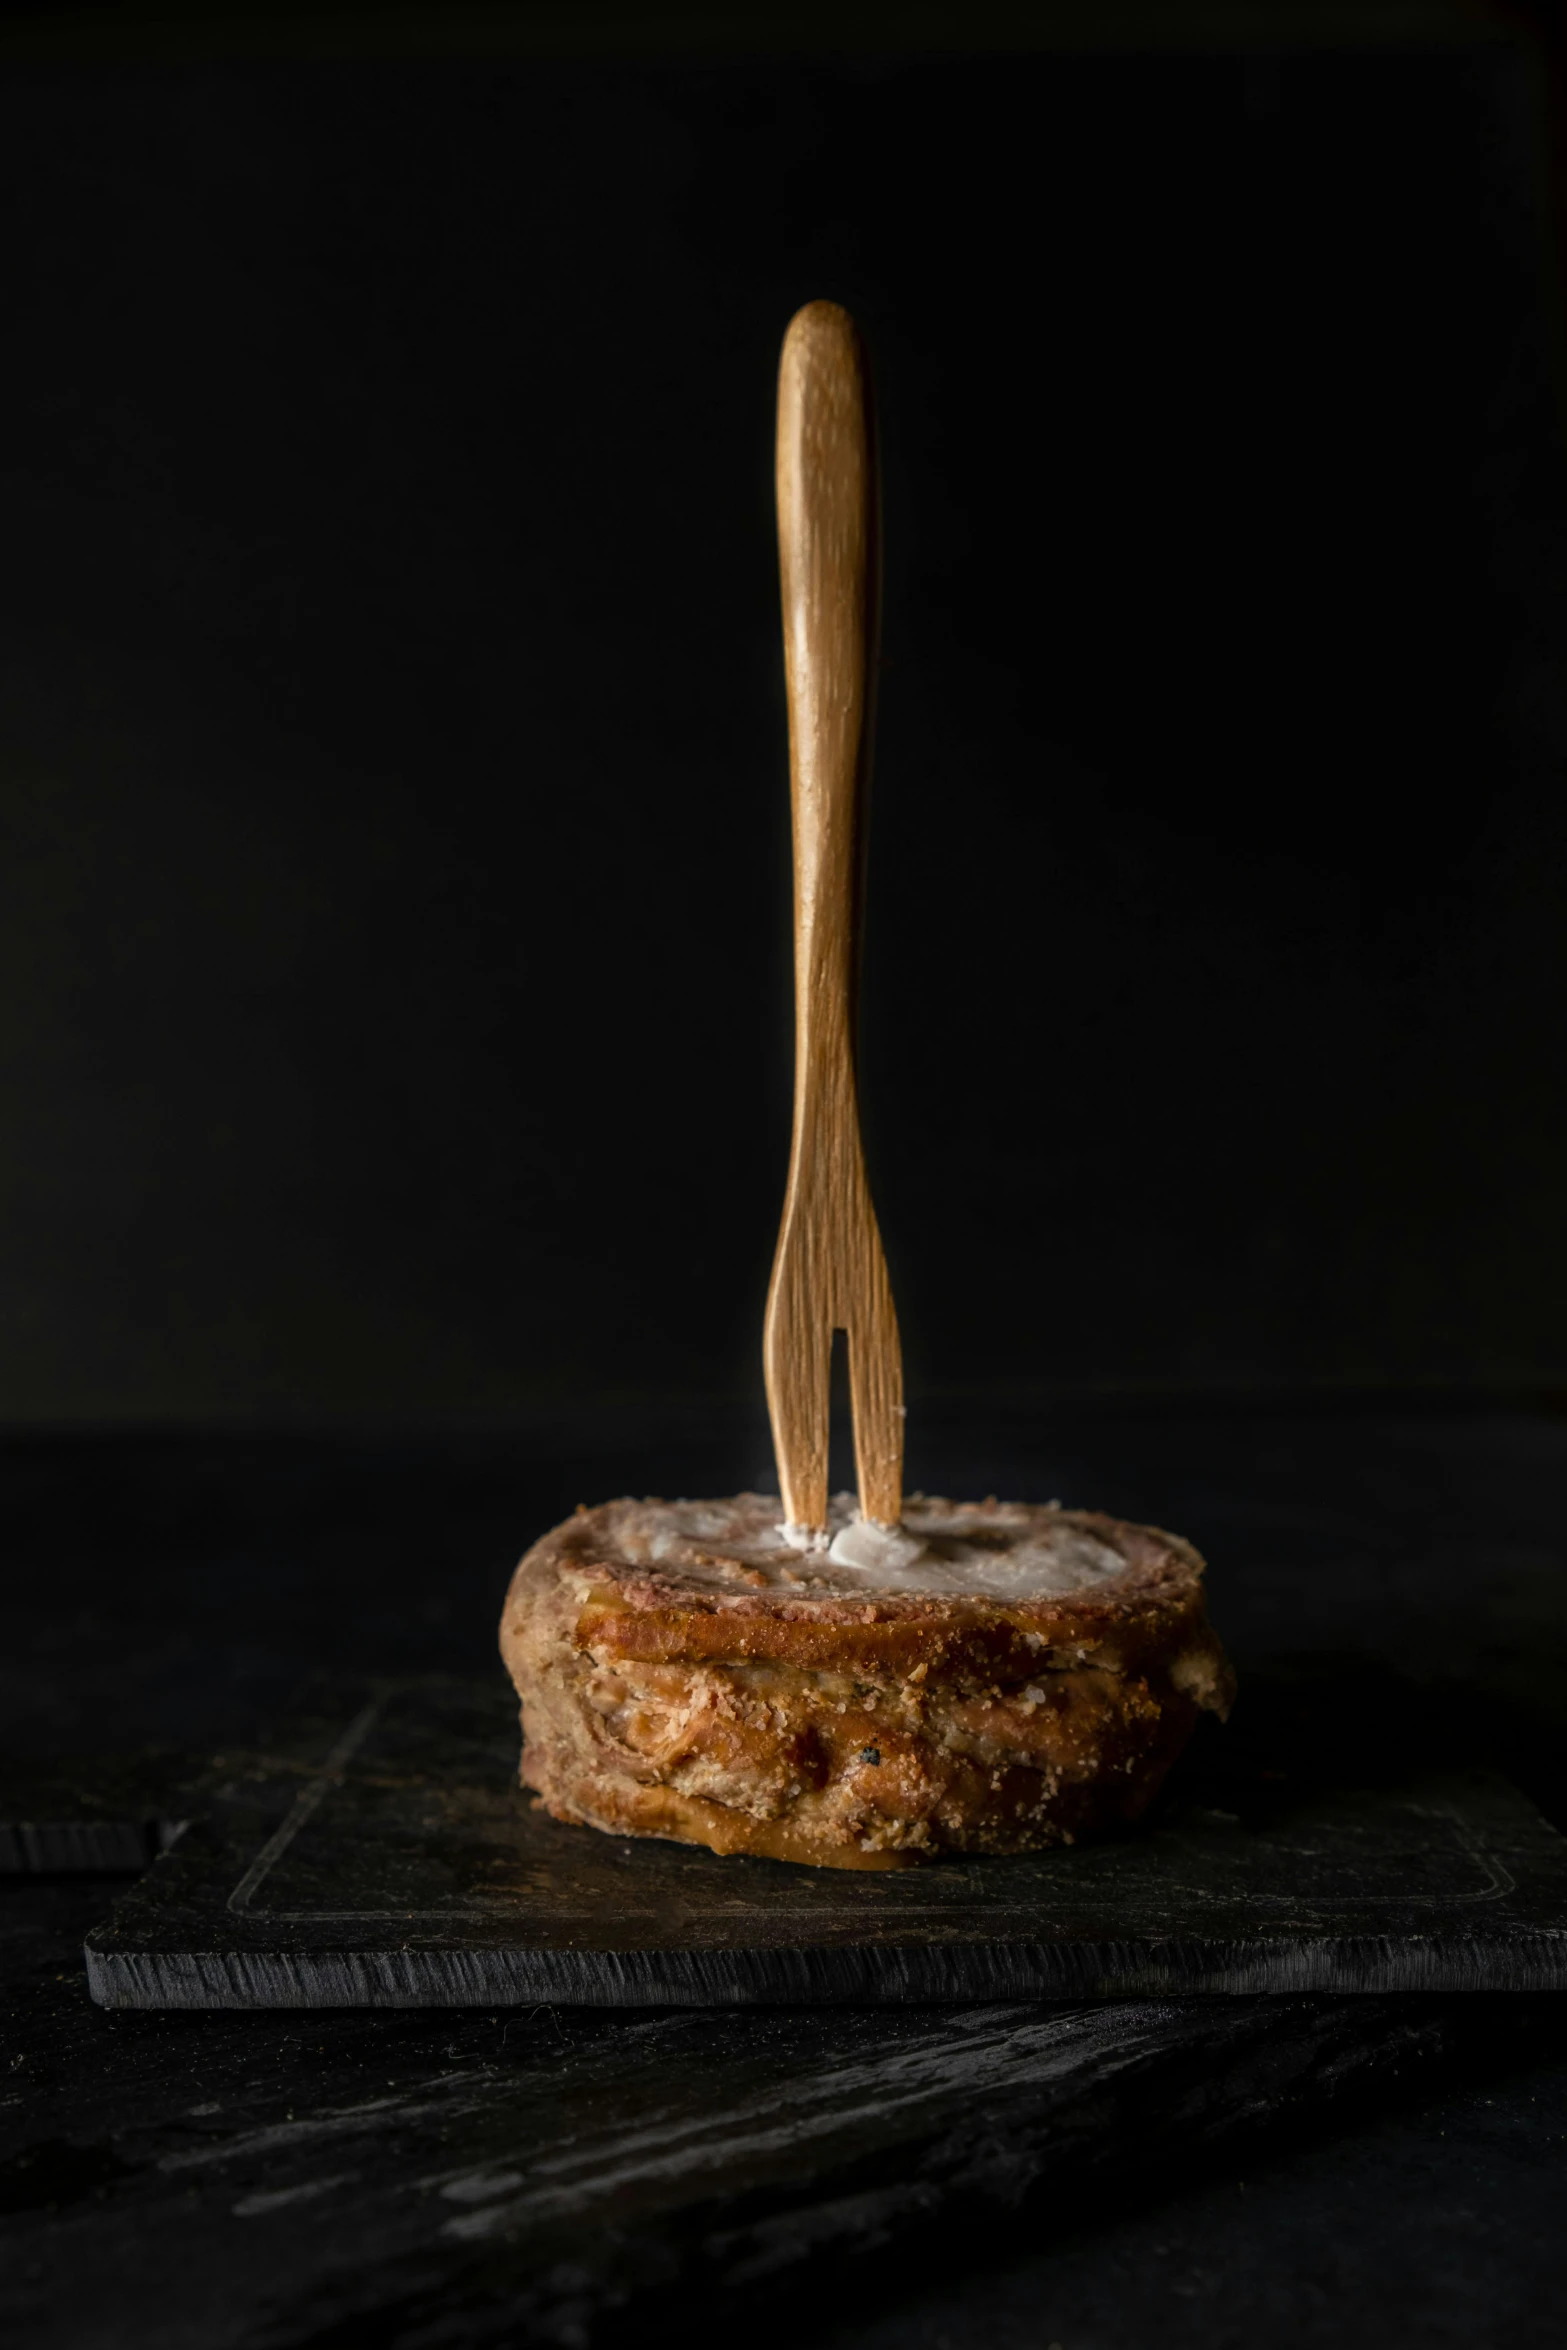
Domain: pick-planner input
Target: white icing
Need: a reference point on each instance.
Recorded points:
(804, 1537)
(995, 1550)
(874, 1550)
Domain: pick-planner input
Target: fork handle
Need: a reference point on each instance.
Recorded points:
(830, 1272)
(827, 559)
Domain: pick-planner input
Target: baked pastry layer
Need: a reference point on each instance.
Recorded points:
(990, 1677)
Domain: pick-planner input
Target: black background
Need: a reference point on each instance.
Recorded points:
(394, 1019)
(394, 981)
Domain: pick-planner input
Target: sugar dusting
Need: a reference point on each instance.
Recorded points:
(994, 1550)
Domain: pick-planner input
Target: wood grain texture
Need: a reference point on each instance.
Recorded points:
(829, 1273)
(558, 2177)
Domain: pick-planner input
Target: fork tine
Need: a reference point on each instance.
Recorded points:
(797, 1363)
(876, 1392)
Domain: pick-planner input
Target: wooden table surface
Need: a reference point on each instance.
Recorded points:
(1362, 2168)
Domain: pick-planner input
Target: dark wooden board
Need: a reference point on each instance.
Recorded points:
(383, 1856)
(583, 2177)
(96, 1816)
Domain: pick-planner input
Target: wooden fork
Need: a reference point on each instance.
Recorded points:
(829, 1273)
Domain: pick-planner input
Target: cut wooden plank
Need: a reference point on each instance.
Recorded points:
(561, 2176)
(385, 1857)
(79, 1848)
(95, 1816)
